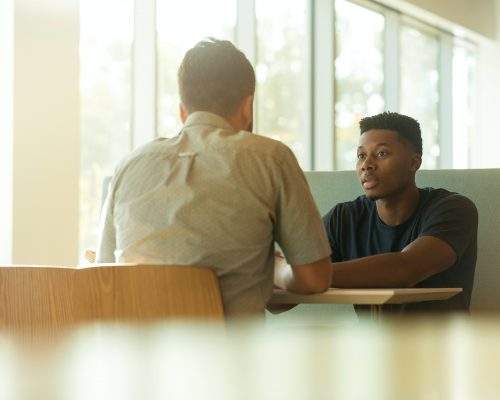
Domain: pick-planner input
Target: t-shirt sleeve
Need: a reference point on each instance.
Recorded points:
(454, 220)
(299, 230)
(331, 221)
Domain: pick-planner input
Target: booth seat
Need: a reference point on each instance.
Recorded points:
(482, 186)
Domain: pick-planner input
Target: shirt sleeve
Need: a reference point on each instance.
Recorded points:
(331, 222)
(298, 227)
(453, 219)
(107, 234)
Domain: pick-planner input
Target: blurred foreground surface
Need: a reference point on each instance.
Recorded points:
(420, 358)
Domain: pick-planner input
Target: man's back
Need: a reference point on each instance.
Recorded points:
(213, 197)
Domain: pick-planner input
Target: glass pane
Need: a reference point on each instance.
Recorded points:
(180, 25)
(359, 75)
(105, 90)
(282, 93)
(420, 88)
(464, 113)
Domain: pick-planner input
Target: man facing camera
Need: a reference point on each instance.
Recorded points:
(399, 235)
(217, 195)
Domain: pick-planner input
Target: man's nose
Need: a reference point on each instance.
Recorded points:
(368, 164)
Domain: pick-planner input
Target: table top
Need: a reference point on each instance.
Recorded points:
(365, 296)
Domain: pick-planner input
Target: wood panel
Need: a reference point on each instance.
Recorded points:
(48, 297)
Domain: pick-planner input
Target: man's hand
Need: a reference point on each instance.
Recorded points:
(279, 262)
(305, 279)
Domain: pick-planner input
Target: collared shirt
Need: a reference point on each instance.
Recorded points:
(213, 197)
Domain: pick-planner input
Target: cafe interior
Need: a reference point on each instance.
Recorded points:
(85, 82)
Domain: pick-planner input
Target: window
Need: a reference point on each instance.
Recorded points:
(105, 88)
(282, 92)
(178, 29)
(367, 57)
(464, 68)
(420, 87)
(359, 75)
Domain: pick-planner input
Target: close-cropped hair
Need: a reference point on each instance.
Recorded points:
(407, 127)
(215, 76)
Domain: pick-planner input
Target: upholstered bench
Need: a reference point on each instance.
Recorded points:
(481, 186)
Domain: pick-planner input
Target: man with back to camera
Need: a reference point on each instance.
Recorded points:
(399, 235)
(216, 194)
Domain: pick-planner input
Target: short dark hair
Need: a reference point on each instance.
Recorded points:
(215, 76)
(406, 127)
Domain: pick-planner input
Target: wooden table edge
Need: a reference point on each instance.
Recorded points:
(365, 296)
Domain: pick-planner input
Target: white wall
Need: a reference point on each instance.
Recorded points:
(452, 15)
(6, 127)
(44, 138)
(476, 15)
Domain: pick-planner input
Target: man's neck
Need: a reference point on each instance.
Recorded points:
(395, 210)
(237, 123)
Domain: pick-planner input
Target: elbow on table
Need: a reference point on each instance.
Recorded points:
(319, 286)
(317, 280)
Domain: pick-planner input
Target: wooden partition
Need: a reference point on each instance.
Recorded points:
(49, 298)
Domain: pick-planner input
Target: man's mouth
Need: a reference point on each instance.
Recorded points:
(369, 182)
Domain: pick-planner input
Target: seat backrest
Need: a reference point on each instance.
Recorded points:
(50, 298)
(482, 186)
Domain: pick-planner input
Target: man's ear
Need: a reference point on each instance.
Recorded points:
(247, 110)
(183, 113)
(416, 162)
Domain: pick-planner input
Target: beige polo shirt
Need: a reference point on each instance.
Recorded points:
(212, 196)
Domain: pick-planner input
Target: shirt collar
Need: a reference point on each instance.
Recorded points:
(207, 118)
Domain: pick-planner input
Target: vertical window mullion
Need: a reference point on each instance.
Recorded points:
(323, 64)
(144, 73)
(446, 101)
(309, 86)
(391, 61)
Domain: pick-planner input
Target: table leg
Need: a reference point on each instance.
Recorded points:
(376, 312)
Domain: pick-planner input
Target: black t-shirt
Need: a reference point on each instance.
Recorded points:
(355, 230)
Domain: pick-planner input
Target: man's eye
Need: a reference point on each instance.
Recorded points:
(382, 154)
(361, 156)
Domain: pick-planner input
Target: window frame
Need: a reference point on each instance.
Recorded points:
(320, 74)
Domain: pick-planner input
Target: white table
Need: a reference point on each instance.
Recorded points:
(373, 297)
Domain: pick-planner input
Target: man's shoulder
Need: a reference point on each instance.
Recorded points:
(353, 209)
(262, 146)
(155, 146)
(136, 159)
(440, 198)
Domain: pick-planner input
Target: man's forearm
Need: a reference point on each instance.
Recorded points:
(378, 271)
(304, 279)
(422, 258)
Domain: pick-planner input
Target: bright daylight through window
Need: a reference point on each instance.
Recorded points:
(359, 84)
(282, 92)
(383, 60)
(420, 87)
(105, 90)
